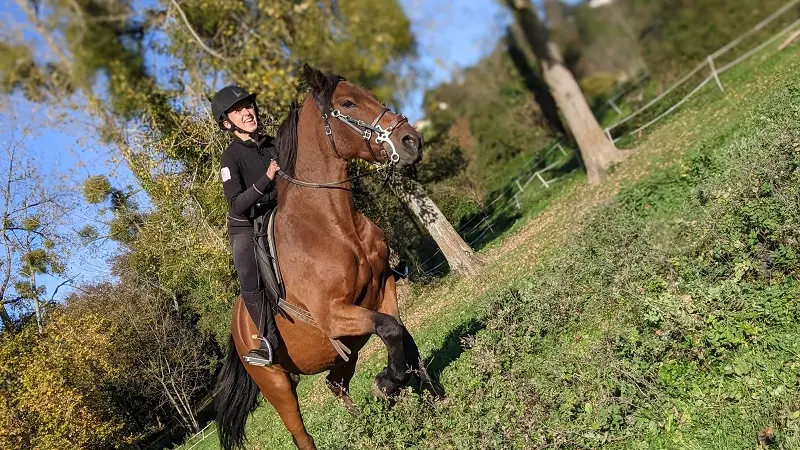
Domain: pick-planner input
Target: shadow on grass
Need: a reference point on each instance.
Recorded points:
(456, 342)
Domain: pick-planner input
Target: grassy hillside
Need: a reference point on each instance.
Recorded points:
(659, 310)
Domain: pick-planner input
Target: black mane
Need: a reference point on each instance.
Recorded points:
(321, 86)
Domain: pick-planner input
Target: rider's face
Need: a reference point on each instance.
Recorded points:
(243, 116)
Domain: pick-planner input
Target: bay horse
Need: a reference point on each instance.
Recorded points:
(333, 260)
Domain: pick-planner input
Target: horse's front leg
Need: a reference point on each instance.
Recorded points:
(345, 319)
(390, 306)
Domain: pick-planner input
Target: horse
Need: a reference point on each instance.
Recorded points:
(334, 263)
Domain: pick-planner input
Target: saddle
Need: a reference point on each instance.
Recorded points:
(270, 273)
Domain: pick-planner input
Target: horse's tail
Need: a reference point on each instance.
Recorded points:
(235, 398)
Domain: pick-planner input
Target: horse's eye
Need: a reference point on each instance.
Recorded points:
(348, 104)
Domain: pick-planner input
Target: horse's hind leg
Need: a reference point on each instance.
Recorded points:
(338, 381)
(279, 389)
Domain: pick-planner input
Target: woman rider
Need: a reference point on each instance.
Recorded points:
(248, 172)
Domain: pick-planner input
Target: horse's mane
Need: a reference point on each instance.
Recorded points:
(286, 141)
(321, 86)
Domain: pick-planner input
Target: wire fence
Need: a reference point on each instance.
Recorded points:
(511, 197)
(709, 64)
(535, 175)
(198, 438)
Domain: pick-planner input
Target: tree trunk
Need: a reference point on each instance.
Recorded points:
(185, 417)
(8, 323)
(597, 151)
(460, 256)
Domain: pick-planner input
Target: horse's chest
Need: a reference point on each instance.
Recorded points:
(373, 253)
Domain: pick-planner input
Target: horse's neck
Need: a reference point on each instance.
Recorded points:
(317, 163)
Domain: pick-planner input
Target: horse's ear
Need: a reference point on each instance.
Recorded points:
(314, 79)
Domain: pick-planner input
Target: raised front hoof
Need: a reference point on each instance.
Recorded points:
(381, 392)
(383, 387)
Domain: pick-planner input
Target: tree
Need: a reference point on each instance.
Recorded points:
(597, 151)
(156, 344)
(460, 256)
(53, 390)
(31, 241)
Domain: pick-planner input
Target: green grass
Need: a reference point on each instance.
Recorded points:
(660, 310)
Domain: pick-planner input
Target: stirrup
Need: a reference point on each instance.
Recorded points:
(261, 357)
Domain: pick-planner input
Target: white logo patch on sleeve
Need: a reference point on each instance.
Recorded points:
(226, 174)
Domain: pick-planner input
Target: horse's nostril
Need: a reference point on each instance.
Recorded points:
(411, 142)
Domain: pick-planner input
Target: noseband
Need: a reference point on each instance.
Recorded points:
(366, 130)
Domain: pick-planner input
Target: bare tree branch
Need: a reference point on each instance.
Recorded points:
(38, 233)
(194, 34)
(63, 283)
(12, 301)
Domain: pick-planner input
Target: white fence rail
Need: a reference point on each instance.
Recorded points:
(202, 435)
(710, 64)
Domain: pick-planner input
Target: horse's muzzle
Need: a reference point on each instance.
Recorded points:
(411, 148)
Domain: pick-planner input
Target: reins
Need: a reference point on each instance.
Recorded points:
(331, 185)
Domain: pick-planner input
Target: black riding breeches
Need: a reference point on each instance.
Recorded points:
(255, 300)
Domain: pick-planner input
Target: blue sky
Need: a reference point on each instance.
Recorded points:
(450, 36)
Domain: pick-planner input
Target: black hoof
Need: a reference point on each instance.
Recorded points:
(385, 387)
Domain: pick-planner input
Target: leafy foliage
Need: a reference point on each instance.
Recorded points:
(54, 390)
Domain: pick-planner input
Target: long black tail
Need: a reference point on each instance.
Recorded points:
(236, 397)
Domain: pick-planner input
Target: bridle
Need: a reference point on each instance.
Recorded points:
(366, 131)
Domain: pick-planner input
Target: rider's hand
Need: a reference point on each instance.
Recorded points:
(272, 169)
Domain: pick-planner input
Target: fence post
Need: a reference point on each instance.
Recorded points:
(608, 133)
(545, 183)
(714, 72)
(614, 106)
(563, 152)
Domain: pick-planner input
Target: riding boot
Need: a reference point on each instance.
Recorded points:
(262, 316)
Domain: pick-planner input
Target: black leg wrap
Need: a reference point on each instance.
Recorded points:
(396, 373)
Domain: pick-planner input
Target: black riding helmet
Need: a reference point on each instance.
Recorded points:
(225, 99)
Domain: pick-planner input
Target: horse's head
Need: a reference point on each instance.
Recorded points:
(360, 125)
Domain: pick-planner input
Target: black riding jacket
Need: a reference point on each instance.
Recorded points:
(249, 191)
